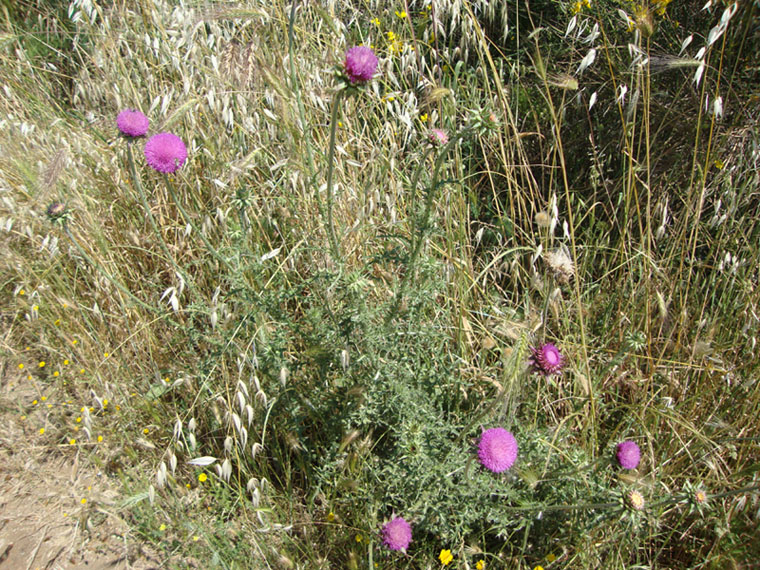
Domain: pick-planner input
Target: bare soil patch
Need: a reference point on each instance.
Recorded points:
(57, 509)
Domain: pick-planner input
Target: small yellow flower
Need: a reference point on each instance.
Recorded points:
(202, 477)
(42, 431)
(391, 36)
(23, 418)
(330, 516)
(445, 557)
(65, 514)
(36, 308)
(92, 410)
(83, 501)
(81, 370)
(358, 538)
(424, 117)
(50, 405)
(21, 366)
(100, 438)
(34, 403)
(57, 322)
(74, 341)
(79, 419)
(146, 431)
(550, 558)
(700, 497)
(401, 14)
(162, 527)
(106, 355)
(29, 377)
(65, 362)
(56, 374)
(375, 21)
(22, 292)
(480, 565)
(187, 485)
(72, 441)
(41, 364)
(43, 398)
(105, 402)
(539, 567)
(719, 164)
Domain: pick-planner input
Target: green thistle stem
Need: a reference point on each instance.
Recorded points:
(149, 215)
(334, 244)
(419, 231)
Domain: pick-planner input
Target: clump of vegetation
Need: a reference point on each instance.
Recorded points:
(440, 283)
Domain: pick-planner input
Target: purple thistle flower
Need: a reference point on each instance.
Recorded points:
(437, 137)
(360, 64)
(397, 534)
(165, 152)
(132, 123)
(628, 455)
(547, 359)
(497, 449)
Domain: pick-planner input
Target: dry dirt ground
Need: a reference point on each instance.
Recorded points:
(57, 509)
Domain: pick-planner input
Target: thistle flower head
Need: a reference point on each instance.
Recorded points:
(628, 455)
(132, 123)
(360, 64)
(497, 450)
(165, 152)
(437, 137)
(547, 359)
(56, 210)
(397, 534)
(635, 500)
(561, 264)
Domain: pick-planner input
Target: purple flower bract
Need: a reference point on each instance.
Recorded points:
(438, 137)
(547, 359)
(360, 64)
(497, 449)
(132, 123)
(165, 152)
(397, 534)
(628, 455)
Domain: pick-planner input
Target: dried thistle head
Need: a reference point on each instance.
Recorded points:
(561, 264)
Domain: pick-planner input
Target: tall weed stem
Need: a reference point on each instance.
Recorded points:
(334, 243)
(419, 230)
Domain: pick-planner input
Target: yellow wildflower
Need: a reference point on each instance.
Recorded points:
(445, 557)
(202, 477)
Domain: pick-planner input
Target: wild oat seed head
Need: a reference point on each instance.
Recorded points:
(628, 455)
(397, 534)
(360, 64)
(132, 123)
(165, 152)
(547, 359)
(497, 450)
